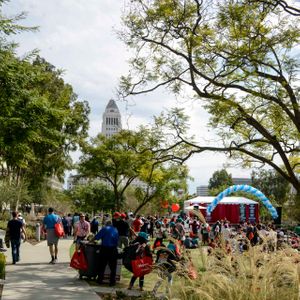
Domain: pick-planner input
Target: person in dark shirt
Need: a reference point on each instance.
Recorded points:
(123, 230)
(146, 225)
(15, 227)
(94, 225)
(140, 248)
(108, 251)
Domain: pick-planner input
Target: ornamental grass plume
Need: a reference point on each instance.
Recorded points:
(199, 214)
(253, 275)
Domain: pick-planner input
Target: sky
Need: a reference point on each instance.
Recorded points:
(79, 37)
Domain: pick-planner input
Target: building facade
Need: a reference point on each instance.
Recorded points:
(202, 190)
(111, 120)
(238, 181)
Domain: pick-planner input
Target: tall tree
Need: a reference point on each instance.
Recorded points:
(115, 160)
(272, 185)
(238, 57)
(159, 181)
(220, 179)
(128, 156)
(41, 118)
(92, 197)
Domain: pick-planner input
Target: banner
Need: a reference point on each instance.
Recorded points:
(242, 212)
(252, 208)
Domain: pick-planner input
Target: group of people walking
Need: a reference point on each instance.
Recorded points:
(127, 236)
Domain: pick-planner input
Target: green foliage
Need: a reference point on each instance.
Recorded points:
(30, 231)
(115, 160)
(159, 182)
(13, 193)
(2, 266)
(41, 118)
(220, 180)
(272, 185)
(143, 155)
(238, 58)
(92, 197)
(60, 200)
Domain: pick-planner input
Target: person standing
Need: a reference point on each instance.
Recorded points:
(141, 249)
(108, 251)
(69, 220)
(94, 225)
(75, 220)
(82, 230)
(137, 224)
(123, 230)
(15, 227)
(52, 239)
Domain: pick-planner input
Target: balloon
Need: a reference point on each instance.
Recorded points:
(175, 207)
(164, 204)
(244, 188)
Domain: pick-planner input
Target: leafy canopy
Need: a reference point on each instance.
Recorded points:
(238, 57)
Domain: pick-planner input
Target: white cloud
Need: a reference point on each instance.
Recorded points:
(78, 36)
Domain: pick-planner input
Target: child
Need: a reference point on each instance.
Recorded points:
(138, 248)
(165, 261)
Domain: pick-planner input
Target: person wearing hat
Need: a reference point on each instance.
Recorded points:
(82, 230)
(116, 218)
(159, 233)
(108, 251)
(123, 230)
(179, 230)
(137, 224)
(142, 249)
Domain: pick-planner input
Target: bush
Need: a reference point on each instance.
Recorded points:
(2, 266)
(3, 225)
(252, 275)
(30, 231)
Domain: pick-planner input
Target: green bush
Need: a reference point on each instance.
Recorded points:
(30, 231)
(2, 266)
(3, 225)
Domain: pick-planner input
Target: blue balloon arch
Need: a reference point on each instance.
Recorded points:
(247, 189)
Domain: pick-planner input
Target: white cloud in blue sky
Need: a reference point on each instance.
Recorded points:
(78, 36)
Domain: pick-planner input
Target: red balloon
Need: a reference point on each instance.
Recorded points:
(175, 207)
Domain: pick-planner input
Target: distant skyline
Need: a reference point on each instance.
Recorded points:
(79, 37)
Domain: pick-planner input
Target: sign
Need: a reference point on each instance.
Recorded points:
(252, 213)
(242, 212)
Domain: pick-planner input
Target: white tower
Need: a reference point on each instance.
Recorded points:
(111, 120)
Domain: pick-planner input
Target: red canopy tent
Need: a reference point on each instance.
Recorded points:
(234, 209)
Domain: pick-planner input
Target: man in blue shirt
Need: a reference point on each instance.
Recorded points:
(108, 251)
(52, 239)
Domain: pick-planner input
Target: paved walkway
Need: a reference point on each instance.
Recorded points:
(33, 278)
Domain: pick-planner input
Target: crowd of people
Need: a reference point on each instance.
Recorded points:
(127, 236)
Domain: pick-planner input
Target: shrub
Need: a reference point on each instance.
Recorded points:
(30, 231)
(249, 276)
(2, 266)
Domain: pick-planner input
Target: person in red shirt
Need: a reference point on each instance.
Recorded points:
(137, 224)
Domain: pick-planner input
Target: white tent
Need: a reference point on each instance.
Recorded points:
(226, 200)
(194, 207)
